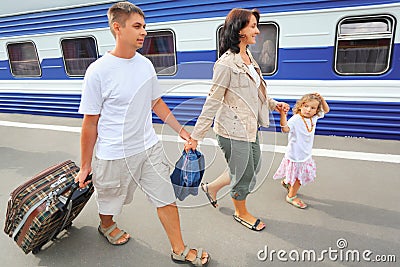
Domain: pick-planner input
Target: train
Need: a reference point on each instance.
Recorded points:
(349, 51)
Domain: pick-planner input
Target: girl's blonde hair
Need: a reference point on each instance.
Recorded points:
(307, 98)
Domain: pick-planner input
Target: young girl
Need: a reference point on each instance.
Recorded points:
(297, 166)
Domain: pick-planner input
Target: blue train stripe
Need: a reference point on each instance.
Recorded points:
(347, 118)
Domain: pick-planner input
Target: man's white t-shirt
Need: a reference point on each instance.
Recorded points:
(121, 91)
(300, 141)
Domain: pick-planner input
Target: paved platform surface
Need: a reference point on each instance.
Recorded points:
(353, 206)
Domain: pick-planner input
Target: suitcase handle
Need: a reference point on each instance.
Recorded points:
(75, 186)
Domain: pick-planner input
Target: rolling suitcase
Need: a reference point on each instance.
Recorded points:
(42, 207)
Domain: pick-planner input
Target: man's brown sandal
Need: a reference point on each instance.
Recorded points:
(106, 232)
(181, 258)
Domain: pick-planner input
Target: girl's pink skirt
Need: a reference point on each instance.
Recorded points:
(305, 171)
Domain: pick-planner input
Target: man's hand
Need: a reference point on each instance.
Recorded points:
(82, 174)
(185, 135)
(190, 144)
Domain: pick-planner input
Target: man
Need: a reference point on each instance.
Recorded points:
(120, 90)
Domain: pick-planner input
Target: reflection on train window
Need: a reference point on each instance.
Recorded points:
(78, 54)
(159, 47)
(265, 50)
(24, 60)
(364, 45)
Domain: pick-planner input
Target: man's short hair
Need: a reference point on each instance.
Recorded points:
(119, 12)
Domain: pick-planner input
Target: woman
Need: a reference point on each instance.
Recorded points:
(233, 101)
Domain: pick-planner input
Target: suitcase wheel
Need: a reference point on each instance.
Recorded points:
(67, 227)
(36, 250)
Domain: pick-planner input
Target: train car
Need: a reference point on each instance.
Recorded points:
(349, 51)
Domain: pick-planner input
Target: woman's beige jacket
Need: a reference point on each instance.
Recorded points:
(233, 101)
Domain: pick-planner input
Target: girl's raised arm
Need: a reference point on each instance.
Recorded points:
(325, 105)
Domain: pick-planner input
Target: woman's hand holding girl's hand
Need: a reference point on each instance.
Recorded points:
(286, 107)
(282, 107)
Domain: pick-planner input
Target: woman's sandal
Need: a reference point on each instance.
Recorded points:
(300, 204)
(106, 232)
(181, 258)
(249, 225)
(204, 187)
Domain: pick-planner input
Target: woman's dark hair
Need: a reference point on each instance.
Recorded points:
(236, 20)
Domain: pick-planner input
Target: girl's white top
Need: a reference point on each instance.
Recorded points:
(300, 141)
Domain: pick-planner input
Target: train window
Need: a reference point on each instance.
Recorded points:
(24, 60)
(159, 47)
(78, 54)
(265, 50)
(364, 45)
